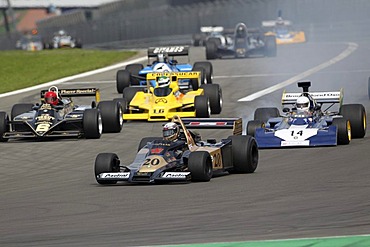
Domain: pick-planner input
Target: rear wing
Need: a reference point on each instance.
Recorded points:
(79, 92)
(175, 76)
(170, 50)
(235, 124)
(274, 23)
(210, 29)
(320, 97)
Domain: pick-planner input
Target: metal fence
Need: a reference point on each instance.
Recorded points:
(142, 19)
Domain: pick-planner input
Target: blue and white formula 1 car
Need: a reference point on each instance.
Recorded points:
(311, 127)
(135, 74)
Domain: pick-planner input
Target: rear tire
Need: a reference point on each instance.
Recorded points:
(211, 50)
(264, 114)
(200, 166)
(92, 124)
(356, 115)
(245, 154)
(111, 114)
(253, 125)
(214, 94)
(343, 130)
(106, 162)
(202, 107)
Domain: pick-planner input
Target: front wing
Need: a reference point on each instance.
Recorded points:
(137, 177)
(270, 138)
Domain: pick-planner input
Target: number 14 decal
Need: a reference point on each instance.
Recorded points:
(297, 133)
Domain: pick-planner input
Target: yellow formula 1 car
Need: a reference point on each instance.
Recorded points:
(283, 32)
(169, 98)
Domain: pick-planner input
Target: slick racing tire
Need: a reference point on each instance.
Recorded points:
(356, 115)
(106, 162)
(4, 127)
(122, 80)
(344, 133)
(214, 94)
(197, 38)
(134, 70)
(124, 106)
(145, 140)
(270, 46)
(211, 50)
(18, 109)
(200, 166)
(245, 154)
(264, 114)
(205, 67)
(111, 114)
(253, 125)
(130, 92)
(92, 124)
(202, 106)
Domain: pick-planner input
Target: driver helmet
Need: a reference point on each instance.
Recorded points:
(51, 98)
(303, 104)
(61, 32)
(171, 131)
(163, 81)
(162, 57)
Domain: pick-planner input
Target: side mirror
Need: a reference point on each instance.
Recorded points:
(317, 107)
(286, 109)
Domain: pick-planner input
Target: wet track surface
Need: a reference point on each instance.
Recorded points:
(49, 196)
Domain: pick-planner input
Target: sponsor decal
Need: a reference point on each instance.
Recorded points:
(207, 124)
(171, 49)
(294, 143)
(77, 91)
(121, 175)
(160, 100)
(156, 150)
(175, 174)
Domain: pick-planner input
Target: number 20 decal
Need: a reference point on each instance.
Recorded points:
(152, 162)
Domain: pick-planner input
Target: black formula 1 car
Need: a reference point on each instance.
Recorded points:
(66, 119)
(243, 42)
(186, 159)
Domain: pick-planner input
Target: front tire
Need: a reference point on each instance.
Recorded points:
(106, 162)
(4, 127)
(344, 133)
(211, 50)
(92, 124)
(206, 68)
(202, 107)
(200, 166)
(214, 94)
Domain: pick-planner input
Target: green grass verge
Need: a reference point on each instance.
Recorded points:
(21, 69)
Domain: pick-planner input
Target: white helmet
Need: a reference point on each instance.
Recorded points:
(163, 81)
(302, 103)
(171, 131)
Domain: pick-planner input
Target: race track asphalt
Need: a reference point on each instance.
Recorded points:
(49, 196)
